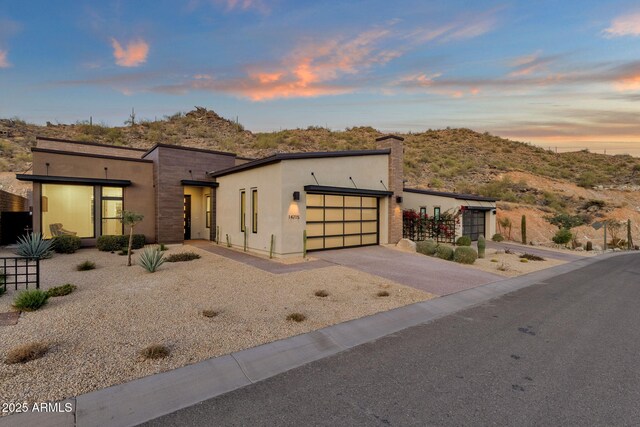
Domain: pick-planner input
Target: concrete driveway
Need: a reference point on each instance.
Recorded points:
(429, 274)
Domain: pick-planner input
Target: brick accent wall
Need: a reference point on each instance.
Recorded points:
(12, 203)
(396, 178)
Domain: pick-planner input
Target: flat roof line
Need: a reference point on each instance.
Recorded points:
(180, 147)
(98, 156)
(97, 144)
(456, 196)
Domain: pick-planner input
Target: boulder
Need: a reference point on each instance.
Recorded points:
(406, 245)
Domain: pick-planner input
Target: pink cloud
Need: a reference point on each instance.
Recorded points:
(626, 25)
(530, 64)
(4, 62)
(246, 4)
(309, 70)
(463, 28)
(133, 55)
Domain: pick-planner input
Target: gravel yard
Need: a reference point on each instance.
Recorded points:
(97, 332)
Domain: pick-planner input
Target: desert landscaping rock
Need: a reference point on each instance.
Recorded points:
(99, 330)
(9, 318)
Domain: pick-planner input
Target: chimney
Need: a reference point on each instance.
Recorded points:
(396, 183)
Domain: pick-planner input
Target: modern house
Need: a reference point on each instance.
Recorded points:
(337, 199)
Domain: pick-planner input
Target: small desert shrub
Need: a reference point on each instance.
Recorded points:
(321, 293)
(296, 317)
(524, 260)
(383, 294)
(34, 246)
(163, 247)
(86, 266)
(209, 313)
(60, 291)
(497, 237)
(30, 300)
(444, 252)
(66, 244)
(125, 251)
(182, 256)
(562, 236)
(531, 257)
(110, 243)
(26, 353)
(151, 258)
(494, 259)
(463, 241)
(156, 351)
(427, 247)
(503, 267)
(465, 255)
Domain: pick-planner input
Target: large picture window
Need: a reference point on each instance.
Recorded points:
(112, 211)
(67, 209)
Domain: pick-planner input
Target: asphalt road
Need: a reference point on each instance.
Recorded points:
(563, 352)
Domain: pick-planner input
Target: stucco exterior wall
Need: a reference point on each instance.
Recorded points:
(268, 181)
(416, 200)
(138, 197)
(278, 213)
(90, 148)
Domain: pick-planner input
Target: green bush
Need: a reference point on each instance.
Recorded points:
(34, 246)
(497, 237)
(465, 255)
(151, 258)
(110, 243)
(30, 300)
(60, 291)
(182, 256)
(444, 252)
(86, 266)
(463, 241)
(562, 236)
(427, 247)
(66, 244)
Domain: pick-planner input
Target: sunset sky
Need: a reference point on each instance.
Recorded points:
(556, 73)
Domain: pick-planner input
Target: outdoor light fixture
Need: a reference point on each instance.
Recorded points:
(398, 199)
(296, 196)
(493, 211)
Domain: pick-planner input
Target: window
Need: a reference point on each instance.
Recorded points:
(423, 211)
(254, 210)
(111, 211)
(67, 209)
(243, 210)
(436, 213)
(207, 211)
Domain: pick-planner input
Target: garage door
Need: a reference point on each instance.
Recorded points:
(473, 223)
(335, 221)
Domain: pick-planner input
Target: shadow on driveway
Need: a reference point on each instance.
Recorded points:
(428, 274)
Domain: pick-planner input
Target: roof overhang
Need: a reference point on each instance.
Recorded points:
(73, 180)
(196, 183)
(346, 191)
(479, 208)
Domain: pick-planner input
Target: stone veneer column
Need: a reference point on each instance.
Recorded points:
(396, 184)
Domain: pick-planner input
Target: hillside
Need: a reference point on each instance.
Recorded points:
(448, 159)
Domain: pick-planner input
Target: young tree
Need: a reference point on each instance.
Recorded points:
(131, 219)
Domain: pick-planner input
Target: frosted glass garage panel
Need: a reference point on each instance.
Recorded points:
(334, 201)
(333, 242)
(369, 202)
(315, 243)
(369, 239)
(352, 202)
(352, 228)
(333, 215)
(369, 227)
(315, 230)
(352, 214)
(331, 228)
(369, 214)
(315, 200)
(352, 240)
(314, 214)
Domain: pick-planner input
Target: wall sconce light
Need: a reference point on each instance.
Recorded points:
(398, 199)
(493, 211)
(296, 196)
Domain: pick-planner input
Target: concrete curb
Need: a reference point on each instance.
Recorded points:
(150, 397)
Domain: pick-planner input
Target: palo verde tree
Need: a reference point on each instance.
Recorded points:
(131, 219)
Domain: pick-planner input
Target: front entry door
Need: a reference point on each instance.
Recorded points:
(187, 217)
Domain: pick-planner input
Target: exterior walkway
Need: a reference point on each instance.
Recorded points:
(428, 274)
(257, 262)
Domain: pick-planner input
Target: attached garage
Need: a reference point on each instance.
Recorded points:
(474, 222)
(342, 217)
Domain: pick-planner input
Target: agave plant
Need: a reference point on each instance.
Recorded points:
(151, 258)
(33, 245)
